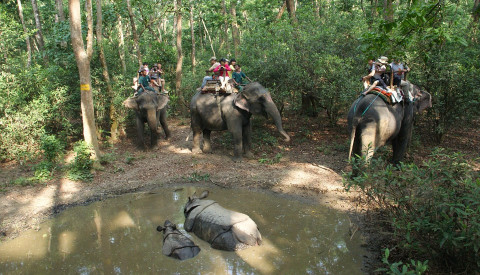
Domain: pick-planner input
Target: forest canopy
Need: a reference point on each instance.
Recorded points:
(309, 54)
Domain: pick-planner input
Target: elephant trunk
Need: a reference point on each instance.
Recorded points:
(152, 119)
(272, 111)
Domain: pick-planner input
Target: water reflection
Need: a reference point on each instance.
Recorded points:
(118, 236)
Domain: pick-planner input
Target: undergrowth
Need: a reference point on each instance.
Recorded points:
(434, 209)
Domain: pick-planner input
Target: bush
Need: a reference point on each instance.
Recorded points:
(80, 168)
(434, 208)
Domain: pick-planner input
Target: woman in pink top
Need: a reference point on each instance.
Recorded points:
(221, 70)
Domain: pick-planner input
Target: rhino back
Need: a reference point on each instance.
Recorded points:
(178, 246)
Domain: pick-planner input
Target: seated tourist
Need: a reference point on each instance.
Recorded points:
(143, 82)
(222, 72)
(214, 64)
(375, 75)
(238, 77)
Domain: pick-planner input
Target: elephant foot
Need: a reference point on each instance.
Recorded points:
(237, 159)
(196, 151)
(207, 149)
(249, 155)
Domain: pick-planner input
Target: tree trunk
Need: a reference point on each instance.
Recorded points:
(60, 19)
(476, 10)
(174, 18)
(106, 76)
(121, 44)
(60, 16)
(209, 38)
(224, 35)
(388, 10)
(317, 9)
(192, 34)
(136, 44)
(178, 72)
(39, 33)
(282, 10)
(291, 10)
(27, 38)
(83, 58)
(235, 32)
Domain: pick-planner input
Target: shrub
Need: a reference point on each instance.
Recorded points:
(81, 167)
(434, 208)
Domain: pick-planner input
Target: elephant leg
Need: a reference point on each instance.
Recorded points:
(140, 129)
(163, 122)
(197, 133)
(238, 146)
(247, 140)
(207, 145)
(368, 143)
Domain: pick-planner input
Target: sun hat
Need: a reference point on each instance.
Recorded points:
(383, 59)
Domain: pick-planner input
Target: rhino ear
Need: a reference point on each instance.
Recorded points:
(160, 228)
(204, 194)
(131, 103)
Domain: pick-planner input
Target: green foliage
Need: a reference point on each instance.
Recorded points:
(80, 168)
(399, 268)
(197, 177)
(266, 160)
(434, 207)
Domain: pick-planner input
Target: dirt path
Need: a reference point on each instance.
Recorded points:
(307, 167)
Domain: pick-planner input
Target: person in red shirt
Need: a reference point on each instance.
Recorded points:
(222, 72)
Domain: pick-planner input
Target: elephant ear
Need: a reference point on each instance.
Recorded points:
(241, 102)
(162, 101)
(423, 100)
(131, 103)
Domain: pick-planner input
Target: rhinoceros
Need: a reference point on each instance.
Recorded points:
(175, 244)
(224, 229)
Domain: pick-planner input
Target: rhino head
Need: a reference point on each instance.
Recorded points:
(194, 202)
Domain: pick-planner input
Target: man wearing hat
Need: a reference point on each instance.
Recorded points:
(375, 75)
(214, 63)
(143, 82)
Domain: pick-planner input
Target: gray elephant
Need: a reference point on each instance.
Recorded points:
(372, 123)
(222, 228)
(232, 112)
(175, 244)
(150, 108)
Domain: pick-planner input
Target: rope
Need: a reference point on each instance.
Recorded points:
(368, 107)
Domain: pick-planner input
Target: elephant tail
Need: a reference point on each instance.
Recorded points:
(355, 123)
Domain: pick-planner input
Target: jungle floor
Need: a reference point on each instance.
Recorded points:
(310, 168)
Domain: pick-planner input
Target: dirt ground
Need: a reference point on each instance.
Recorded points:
(310, 166)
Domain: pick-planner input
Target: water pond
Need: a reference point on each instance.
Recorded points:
(118, 236)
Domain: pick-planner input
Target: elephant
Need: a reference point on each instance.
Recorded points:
(222, 228)
(175, 244)
(151, 108)
(232, 112)
(372, 123)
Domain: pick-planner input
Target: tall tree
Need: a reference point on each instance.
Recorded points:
(106, 76)
(224, 28)
(178, 71)
(317, 9)
(192, 34)
(476, 10)
(235, 30)
(60, 16)
(39, 33)
(27, 38)
(388, 10)
(83, 58)
(136, 42)
(121, 44)
(282, 10)
(291, 10)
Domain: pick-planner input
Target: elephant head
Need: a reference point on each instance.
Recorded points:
(256, 99)
(422, 100)
(146, 101)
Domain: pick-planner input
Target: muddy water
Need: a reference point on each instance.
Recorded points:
(118, 236)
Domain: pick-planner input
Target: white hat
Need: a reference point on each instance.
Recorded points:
(383, 59)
